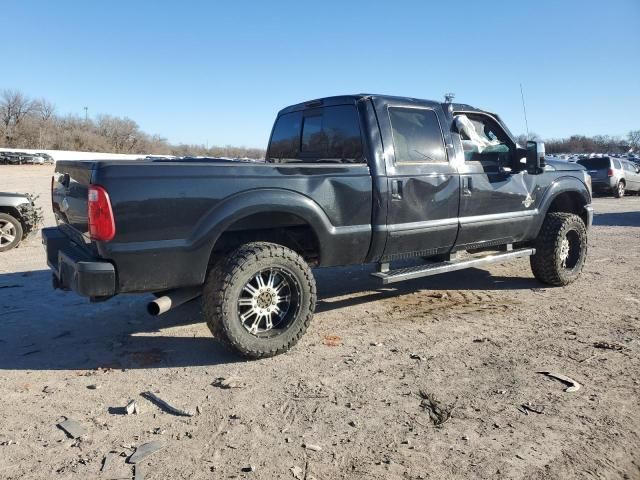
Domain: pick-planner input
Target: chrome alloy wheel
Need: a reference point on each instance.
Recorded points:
(7, 233)
(570, 250)
(268, 302)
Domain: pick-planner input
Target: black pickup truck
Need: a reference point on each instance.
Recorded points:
(417, 187)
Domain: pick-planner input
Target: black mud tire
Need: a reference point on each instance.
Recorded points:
(546, 264)
(16, 226)
(224, 283)
(619, 190)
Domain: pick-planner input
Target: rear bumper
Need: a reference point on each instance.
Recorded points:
(74, 269)
(603, 185)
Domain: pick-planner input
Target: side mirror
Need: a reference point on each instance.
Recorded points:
(535, 157)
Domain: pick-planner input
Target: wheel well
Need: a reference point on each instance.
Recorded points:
(569, 202)
(11, 211)
(285, 229)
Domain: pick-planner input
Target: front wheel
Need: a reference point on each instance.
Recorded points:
(259, 299)
(561, 249)
(10, 232)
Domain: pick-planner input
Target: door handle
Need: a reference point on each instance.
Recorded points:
(396, 189)
(467, 186)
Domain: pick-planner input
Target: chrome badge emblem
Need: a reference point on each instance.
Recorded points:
(527, 202)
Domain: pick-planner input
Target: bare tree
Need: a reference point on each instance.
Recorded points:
(522, 139)
(633, 137)
(45, 109)
(14, 106)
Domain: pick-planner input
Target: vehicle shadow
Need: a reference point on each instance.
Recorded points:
(337, 282)
(45, 329)
(617, 219)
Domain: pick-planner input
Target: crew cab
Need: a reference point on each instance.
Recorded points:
(417, 187)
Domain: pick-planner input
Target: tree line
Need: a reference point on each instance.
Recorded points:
(34, 124)
(595, 144)
(585, 144)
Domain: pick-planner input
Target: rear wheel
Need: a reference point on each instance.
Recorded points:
(10, 232)
(260, 299)
(619, 191)
(561, 249)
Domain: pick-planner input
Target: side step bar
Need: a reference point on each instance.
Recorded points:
(409, 273)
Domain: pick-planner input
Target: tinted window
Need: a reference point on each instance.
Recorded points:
(285, 139)
(417, 136)
(313, 138)
(332, 133)
(594, 163)
(329, 133)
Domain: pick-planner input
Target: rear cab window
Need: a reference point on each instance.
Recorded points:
(326, 134)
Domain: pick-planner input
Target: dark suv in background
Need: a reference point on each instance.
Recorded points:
(612, 175)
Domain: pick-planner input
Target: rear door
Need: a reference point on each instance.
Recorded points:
(423, 184)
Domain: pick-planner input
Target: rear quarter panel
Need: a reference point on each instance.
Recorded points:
(169, 215)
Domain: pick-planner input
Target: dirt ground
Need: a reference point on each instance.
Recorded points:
(423, 380)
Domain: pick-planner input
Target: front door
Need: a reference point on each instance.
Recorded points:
(498, 197)
(424, 187)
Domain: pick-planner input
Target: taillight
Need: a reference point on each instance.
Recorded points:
(610, 172)
(102, 226)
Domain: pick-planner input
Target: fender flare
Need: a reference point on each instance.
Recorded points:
(262, 200)
(559, 186)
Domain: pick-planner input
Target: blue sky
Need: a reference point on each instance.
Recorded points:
(218, 72)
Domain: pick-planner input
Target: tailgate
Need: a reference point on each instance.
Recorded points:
(69, 185)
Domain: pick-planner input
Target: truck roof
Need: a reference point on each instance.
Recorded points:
(353, 98)
(345, 99)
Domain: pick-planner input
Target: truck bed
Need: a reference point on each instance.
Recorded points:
(168, 214)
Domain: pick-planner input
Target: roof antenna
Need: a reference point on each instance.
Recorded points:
(524, 109)
(448, 97)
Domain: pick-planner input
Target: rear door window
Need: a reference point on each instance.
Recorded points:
(417, 136)
(332, 134)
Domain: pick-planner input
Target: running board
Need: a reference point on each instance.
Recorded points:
(401, 274)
